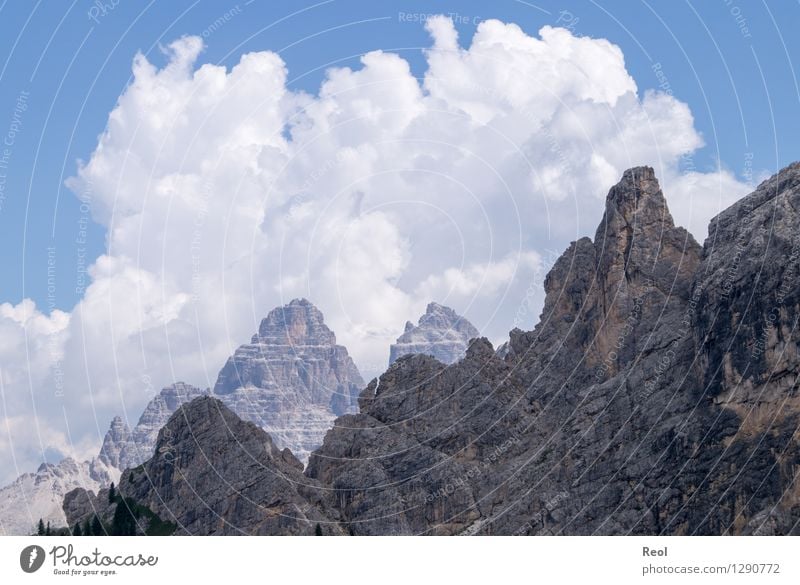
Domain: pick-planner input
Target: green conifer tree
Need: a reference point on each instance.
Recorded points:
(97, 527)
(124, 522)
(40, 530)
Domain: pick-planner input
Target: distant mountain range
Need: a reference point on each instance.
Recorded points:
(292, 380)
(657, 395)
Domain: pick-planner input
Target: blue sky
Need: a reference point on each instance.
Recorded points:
(69, 62)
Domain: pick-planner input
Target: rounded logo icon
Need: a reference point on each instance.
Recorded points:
(31, 558)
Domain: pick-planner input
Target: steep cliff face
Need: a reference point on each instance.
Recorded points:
(657, 395)
(291, 379)
(747, 342)
(610, 417)
(213, 473)
(440, 332)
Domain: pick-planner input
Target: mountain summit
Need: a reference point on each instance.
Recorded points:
(292, 379)
(440, 333)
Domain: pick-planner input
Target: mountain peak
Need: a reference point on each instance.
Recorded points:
(291, 379)
(635, 202)
(255, 487)
(637, 235)
(300, 302)
(434, 307)
(294, 324)
(440, 332)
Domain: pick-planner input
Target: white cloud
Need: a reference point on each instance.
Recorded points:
(694, 198)
(485, 280)
(224, 194)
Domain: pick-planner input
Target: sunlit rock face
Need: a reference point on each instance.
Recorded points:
(292, 379)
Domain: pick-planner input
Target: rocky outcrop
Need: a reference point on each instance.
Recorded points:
(440, 333)
(213, 473)
(124, 448)
(292, 379)
(657, 395)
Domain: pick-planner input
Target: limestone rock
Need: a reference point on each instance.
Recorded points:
(213, 473)
(656, 395)
(123, 448)
(440, 333)
(292, 379)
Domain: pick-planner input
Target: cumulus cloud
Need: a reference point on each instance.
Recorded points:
(224, 193)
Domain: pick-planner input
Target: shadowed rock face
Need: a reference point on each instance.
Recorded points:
(440, 333)
(291, 379)
(657, 395)
(620, 412)
(123, 448)
(39, 495)
(213, 473)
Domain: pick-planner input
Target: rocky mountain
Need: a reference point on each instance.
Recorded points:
(657, 395)
(40, 494)
(124, 448)
(440, 332)
(292, 379)
(213, 473)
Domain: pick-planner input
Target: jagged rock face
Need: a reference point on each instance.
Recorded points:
(123, 448)
(213, 473)
(440, 333)
(601, 420)
(412, 461)
(292, 379)
(39, 495)
(655, 396)
(116, 444)
(608, 299)
(749, 296)
(747, 341)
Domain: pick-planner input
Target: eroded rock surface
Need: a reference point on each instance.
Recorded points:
(292, 379)
(440, 332)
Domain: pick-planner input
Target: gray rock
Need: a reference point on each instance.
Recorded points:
(655, 396)
(123, 448)
(40, 494)
(634, 407)
(213, 473)
(440, 333)
(292, 379)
